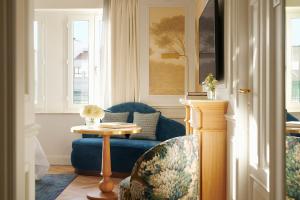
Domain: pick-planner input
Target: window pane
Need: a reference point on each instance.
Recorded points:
(294, 61)
(80, 62)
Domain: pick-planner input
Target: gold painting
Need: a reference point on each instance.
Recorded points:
(167, 51)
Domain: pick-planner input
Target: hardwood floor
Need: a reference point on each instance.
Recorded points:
(81, 185)
(61, 169)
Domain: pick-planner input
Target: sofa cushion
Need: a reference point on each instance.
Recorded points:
(148, 123)
(87, 153)
(132, 107)
(116, 117)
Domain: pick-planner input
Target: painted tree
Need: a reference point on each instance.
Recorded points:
(169, 34)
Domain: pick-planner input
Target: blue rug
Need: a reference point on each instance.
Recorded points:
(50, 186)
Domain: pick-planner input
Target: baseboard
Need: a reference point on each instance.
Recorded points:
(59, 160)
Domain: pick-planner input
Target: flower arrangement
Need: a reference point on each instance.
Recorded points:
(91, 113)
(210, 84)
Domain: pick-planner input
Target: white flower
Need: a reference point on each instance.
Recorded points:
(92, 111)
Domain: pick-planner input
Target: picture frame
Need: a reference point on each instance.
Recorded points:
(157, 97)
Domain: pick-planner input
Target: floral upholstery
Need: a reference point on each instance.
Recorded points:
(293, 167)
(170, 170)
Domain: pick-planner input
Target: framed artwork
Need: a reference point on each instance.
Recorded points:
(167, 47)
(167, 60)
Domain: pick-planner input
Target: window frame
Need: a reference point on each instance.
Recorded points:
(71, 107)
(291, 13)
(64, 17)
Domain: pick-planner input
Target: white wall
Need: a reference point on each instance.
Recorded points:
(55, 136)
(67, 4)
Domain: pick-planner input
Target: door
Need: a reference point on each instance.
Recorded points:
(258, 106)
(254, 63)
(264, 111)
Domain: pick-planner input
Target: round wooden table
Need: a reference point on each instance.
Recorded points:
(292, 130)
(106, 185)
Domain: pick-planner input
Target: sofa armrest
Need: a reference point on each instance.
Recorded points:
(168, 128)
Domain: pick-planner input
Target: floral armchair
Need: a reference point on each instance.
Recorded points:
(170, 170)
(293, 167)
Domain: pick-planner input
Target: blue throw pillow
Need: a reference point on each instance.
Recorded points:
(148, 123)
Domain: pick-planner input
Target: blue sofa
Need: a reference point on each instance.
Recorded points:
(86, 154)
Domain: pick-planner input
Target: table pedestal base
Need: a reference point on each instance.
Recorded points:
(98, 195)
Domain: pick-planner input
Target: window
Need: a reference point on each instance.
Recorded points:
(66, 59)
(84, 59)
(293, 60)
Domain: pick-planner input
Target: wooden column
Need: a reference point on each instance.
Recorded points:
(187, 120)
(209, 121)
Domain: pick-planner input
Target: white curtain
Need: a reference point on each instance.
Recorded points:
(103, 90)
(119, 57)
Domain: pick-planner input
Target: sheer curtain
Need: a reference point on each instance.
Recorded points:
(119, 57)
(103, 84)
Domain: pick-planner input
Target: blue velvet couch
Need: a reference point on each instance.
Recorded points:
(86, 154)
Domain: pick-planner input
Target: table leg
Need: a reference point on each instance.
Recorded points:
(106, 185)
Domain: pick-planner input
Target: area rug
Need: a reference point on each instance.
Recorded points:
(50, 186)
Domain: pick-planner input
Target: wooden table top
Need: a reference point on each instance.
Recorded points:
(97, 130)
(293, 130)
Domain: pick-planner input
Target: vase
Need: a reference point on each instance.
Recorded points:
(211, 94)
(91, 121)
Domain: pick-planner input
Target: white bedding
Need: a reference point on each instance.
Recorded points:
(41, 162)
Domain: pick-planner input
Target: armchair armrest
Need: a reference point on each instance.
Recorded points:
(170, 170)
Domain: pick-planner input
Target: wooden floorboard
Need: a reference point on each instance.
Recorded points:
(61, 169)
(81, 185)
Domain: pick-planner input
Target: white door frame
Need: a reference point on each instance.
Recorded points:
(13, 64)
(13, 57)
(7, 100)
